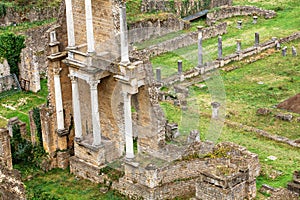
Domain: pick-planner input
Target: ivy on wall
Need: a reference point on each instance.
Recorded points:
(11, 46)
(2, 10)
(37, 120)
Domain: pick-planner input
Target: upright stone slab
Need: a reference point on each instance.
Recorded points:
(215, 109)
(158, 74)
(179, 66)
(200, 49)
(284, 51)
(255, 19)
(238, 45)
(256, 39)
(294, 51)
(220, 48)
(239, 24)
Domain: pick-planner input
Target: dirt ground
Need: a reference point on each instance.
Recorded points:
(292, 104)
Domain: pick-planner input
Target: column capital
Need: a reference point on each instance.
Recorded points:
(93, 84)
(73, 79)
(57, 70)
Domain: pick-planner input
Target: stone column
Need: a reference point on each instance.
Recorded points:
(215, 109)
(128, 126)
(238, 45)
(124, 36)
(284, 49)
(294, 51)
(220, 48)
(179, 66)
(158, 74)
(200, 49)
(89, 26)
(76, 108)
(256, 39)
(255, 19)
(58, 100)
(70, 24)
(239, 24)
(95, 112)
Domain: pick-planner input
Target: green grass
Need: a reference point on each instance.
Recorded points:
(276, 27)
(19, 104)
(62, 185)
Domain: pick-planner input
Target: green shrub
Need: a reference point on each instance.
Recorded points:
(10, 48)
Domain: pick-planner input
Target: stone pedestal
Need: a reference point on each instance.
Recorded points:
(220, 48)
(256, 43)
(238, 45)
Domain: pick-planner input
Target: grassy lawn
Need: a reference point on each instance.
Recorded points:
(276, 27)
(20, 103)
(60, 184)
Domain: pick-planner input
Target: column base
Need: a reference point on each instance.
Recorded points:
(62, 132)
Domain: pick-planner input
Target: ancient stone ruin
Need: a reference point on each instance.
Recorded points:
(103, 108)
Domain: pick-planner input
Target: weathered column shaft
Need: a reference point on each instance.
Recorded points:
(200, 49)
(158, 74)
(70, 23)
(256, 39)
(238, 45)
(58, 102)
(95, 113)
(89, 26)
(220, 48)
(76, 108)
(124, 36)
(128, 125)
(179, 66)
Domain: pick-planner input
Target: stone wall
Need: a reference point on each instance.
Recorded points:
(4, 68)
(9, 82)
(186, 39)
(31, 15)
(232, 57)
(11, 186)
(235, 174)
(34, 62)
(181, 8)
(146, 29)
(5, 151)
(232, 11)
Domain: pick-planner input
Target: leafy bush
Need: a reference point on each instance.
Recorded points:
(10, 48)
(23, 151)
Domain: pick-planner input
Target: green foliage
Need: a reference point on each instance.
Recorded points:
(2, 10)
(37, 121)
(10, 48)
(23, 151)
(112, 173)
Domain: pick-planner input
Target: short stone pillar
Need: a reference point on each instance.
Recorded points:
(284, 51)
(238, 45)
(193, 137)
(256, 43)
(158, 74)
(215, 109)
(200, 49)
(277, 45)
(239, 24)
(179, 66)
(95, 112)
(220, 48)
(294, 51)
(255, 19)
